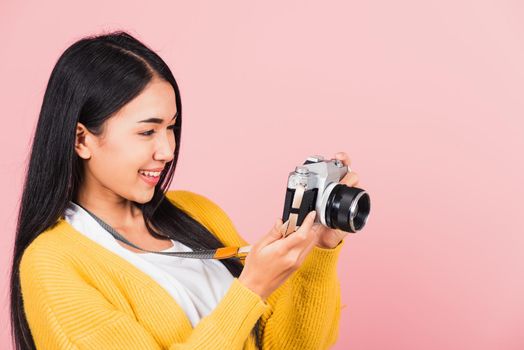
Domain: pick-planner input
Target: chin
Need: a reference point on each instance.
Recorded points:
(145, 196)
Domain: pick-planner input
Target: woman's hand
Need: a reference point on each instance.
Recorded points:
(327, 237)
(273, 259)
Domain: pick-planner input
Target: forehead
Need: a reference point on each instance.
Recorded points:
(157, 100)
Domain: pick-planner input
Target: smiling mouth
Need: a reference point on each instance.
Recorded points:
(152, 174)
(150, 180)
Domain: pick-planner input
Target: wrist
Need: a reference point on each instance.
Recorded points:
(329, 244)
(250, 286)
(329, 238)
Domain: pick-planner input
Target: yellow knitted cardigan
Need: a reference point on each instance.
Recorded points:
(79, 295)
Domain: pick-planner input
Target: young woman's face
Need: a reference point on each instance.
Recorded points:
(138, 138)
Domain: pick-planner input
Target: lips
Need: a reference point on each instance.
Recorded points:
(151, 176)
(150, 180)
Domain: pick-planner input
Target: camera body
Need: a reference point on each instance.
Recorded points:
(338, 206)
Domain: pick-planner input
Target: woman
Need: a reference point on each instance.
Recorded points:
(106, 146)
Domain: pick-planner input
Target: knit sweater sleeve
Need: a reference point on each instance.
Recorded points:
(304, 312)
(65, 311)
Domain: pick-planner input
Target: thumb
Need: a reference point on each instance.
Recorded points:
(273, 235)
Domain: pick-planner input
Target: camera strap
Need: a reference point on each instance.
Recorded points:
(218, 254)
(293, 215)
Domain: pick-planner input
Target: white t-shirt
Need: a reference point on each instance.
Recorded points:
(197, 285)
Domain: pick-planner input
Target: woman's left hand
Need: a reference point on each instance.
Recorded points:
(327, 237)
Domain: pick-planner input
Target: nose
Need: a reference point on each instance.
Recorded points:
(165, 147)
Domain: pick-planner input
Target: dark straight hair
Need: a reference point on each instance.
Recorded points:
(94, 78)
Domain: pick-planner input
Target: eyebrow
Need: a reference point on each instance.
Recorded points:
(156, 120)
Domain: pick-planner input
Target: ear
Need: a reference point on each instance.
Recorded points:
(81, 147)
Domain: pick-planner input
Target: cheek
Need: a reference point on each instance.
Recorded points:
(117, 165)
(132, 158)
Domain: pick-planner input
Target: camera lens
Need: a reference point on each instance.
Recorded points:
(347, 208)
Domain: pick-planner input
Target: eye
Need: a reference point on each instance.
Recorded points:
(147, 133)
(151, 132)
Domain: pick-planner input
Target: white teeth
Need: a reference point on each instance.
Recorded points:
(150, 173)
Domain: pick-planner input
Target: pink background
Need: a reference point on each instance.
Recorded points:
(425, 97)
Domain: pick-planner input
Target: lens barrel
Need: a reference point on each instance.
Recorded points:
(347, 208)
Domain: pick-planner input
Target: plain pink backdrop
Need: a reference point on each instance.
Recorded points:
(425, 96)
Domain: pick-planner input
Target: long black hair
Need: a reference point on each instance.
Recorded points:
(91, 81)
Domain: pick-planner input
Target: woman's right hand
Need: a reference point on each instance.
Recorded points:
(273, 258)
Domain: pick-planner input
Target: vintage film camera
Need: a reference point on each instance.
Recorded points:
(315, 185)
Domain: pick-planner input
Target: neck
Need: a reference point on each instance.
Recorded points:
(115, 210)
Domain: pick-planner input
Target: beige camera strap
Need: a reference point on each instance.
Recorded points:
(293, 215)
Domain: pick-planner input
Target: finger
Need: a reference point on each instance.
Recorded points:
(303, 234)
(273, 235)
(350, 179)
(307, 223)
(344, 158)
